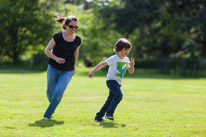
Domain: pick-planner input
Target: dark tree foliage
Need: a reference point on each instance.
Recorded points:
(23, 25)
(161, 26)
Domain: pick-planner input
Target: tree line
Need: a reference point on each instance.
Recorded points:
(158, 29)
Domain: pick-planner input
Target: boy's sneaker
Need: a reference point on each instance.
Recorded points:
(109, 116)
(99, 119)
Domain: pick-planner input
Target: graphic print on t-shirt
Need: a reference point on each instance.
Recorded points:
(121, 68)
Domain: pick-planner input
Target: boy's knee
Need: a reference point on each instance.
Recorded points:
(120, 96)
(50, 99)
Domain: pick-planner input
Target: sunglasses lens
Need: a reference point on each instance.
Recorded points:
(73, 27)
(74, 19)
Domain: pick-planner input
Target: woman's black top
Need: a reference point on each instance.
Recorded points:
(66, 50)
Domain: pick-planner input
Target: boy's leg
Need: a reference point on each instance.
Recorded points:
(106, 105)
(115, 89)
(62, 82)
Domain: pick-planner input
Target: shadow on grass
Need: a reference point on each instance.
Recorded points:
(46, 123)
(111, 125)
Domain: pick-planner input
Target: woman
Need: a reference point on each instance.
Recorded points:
(63, 51)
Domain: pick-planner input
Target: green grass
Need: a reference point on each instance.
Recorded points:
(153, 105)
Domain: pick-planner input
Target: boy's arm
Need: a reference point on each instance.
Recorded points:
(98, 66)
(131, 69)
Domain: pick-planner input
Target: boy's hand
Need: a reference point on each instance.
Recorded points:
(90, 75)
(131, 69)
(132, 62)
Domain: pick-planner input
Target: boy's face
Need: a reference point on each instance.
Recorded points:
(124, 52)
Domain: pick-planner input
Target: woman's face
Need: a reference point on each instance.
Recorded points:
(72, 27)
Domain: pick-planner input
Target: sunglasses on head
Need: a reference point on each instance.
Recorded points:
(73, 27)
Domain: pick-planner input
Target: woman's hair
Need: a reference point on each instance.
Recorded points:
(122, 43)
(66, 20)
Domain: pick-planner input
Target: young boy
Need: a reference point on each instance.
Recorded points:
(118, 64)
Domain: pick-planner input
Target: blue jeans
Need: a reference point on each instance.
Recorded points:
(57, 82)
(114, 98)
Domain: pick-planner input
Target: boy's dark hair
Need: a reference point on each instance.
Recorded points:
(122, 43)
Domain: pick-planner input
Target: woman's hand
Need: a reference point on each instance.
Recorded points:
(60, 60)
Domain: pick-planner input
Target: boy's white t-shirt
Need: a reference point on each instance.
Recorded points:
(117, 68)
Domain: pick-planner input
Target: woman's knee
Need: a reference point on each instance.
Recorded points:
(50, 96)
(59, 97)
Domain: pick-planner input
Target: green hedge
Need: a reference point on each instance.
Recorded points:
(182, 66)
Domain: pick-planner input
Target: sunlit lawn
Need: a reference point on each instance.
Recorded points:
(151, 106)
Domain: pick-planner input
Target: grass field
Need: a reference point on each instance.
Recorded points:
(153, 105)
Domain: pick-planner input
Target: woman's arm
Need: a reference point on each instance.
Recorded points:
(48, 52)
(76, 54)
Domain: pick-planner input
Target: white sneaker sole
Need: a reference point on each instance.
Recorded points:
(111, 118)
